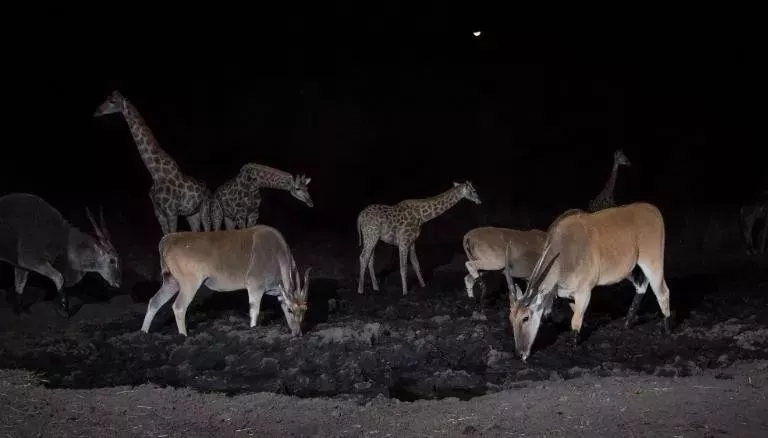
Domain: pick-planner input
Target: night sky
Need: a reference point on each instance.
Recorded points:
(398, 106)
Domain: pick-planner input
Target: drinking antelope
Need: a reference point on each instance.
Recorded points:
(584, 250)
(486, 247)
(256, 259)
(34, 236)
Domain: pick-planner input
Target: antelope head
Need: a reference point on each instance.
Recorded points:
(526, 309)
(293, 300)
(105, 258)
(299, 189)
(113, 104)
(468, 191)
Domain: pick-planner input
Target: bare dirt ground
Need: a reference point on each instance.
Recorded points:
(430, 363)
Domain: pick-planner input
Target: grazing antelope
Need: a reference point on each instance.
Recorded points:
(34, 236)
(584, 250)
(486, 247)
(256, 259)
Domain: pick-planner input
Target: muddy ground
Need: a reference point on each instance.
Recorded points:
(432, 344)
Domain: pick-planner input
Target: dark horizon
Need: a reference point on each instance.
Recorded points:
(530, 118)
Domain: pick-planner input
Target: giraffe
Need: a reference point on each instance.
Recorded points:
(400, 225)
(604, 199)
(237, 201)
(749, 214)
(173, 194)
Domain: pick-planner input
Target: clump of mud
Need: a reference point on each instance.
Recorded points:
(432, 343)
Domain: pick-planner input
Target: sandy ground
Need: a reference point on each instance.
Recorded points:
(731, 402)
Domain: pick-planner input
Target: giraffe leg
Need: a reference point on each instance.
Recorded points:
(747, 223)
(162, 219)
(173, 222)
(229, 224)
(194, 222)
(253, 219)
(240, 222)
(403, 251)
(372, 272)
(415, 263)
(765, 232)
(217, 216)
(20, 280)
(365, 257)
(205, 214)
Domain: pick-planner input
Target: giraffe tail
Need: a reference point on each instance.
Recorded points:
(359, 233)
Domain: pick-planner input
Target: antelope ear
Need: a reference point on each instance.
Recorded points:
(307, 181)
(455, 184)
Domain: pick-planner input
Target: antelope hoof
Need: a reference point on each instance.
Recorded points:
(576, 338)
(17, 308)
(629, 322)
(63, 312)
(666, 326)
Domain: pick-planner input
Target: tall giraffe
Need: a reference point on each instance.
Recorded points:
(237, 201)
(604, 199)
(173, 194)
(400, 225)
(749, 214)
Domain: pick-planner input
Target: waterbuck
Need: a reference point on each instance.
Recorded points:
(34, 236)
(584, 250)
(256, 259)
(485, 249)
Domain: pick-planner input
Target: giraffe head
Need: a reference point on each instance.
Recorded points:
(299, 189)
(113, 104)
(620, 159)
(468, 191)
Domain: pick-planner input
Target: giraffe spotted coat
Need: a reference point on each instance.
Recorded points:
(173, 193)
(237, 201)
(400, 225)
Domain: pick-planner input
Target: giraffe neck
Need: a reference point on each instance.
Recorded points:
(430, 208)
(610, 185)
(271, 178)
(159, 164)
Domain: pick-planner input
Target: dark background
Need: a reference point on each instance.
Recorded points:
(386, 104)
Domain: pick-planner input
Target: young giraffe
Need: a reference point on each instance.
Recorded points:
(173, 194)
(749, 214)
(400, 225)
(604, 199)
(237, 201)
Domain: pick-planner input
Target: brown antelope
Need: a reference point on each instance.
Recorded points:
(256, 259)
(584, 250)
(485, 248)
